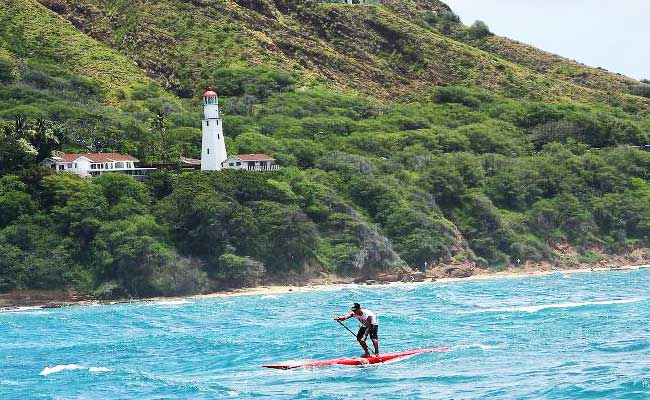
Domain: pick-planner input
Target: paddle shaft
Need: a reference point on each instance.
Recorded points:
(348, 329)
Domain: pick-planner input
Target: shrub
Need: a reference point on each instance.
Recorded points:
(478, 30)
(7, 69)
(238, 270)
(462, 95)
(642, 90)
(258, 81)
(179, 276)
(590, 257)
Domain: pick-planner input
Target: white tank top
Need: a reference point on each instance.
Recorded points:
(363, 318)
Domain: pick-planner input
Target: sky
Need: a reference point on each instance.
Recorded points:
(614, 35)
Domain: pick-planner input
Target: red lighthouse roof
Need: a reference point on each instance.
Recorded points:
(210, 93)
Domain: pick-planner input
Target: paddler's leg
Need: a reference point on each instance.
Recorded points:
(362, 342)
(375, 339)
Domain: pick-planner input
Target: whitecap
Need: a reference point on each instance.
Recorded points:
(58, 368)
(269, 296)
(71, 367)
(476, 346)
(533, 309)
(171, 302)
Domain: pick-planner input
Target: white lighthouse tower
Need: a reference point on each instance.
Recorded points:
(213, 148)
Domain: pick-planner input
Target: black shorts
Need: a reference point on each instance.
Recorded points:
(372, 332)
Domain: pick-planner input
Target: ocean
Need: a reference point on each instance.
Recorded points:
(577, 336)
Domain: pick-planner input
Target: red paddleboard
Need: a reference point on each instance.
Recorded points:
(355, 360)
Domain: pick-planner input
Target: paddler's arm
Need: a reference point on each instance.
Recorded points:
(343, 317)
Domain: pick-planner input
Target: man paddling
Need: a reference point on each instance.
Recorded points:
(369, 327)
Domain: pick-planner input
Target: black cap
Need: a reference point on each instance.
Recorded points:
(356, 306)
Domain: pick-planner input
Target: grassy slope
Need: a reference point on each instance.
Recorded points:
(28, 31)
(552, 65)
(556, 66)
(382, 51)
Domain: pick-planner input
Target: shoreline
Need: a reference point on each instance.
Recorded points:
(318, 286)
(487, 275)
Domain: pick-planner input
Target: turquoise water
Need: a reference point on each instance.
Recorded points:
(581, 336)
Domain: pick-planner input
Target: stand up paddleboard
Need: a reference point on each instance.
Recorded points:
(382, 358)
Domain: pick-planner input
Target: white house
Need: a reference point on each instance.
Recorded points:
(95, 164)
(213, 146)
(250, 162)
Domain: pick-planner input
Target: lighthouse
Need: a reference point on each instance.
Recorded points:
(213, 147)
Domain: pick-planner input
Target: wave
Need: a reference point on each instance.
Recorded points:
(171, 302)
(475, 346)
(533, 309)
(71, 367)
(269, 296)
(20, 309)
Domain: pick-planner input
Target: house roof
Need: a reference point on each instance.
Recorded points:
(94, 157)
(253, 157)
(190, 161)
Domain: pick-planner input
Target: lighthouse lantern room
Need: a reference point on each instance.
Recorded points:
(213, 149)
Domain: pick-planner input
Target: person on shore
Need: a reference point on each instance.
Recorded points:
(369, 327)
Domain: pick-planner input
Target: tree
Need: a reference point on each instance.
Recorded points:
(33, 257)
(16, 152)
(45, 137)
(289, 237)
(14, 201)
(129, 251)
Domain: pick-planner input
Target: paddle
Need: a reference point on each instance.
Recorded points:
(348, 329)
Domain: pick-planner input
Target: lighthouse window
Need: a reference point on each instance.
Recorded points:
(218, 136)
(208, 151)
(207, 123)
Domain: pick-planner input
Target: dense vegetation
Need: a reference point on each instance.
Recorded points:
(368, 184)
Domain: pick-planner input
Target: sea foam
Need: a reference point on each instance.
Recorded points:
(533, 309)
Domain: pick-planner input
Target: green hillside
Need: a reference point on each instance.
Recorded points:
(389, 51)
(404, 138)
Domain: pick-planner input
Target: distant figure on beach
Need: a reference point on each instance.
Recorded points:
(369, 327)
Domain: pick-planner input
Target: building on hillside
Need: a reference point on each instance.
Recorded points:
(213, 147)
(182, 164)
(95, 164)
(190, 163)
(250, 162)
